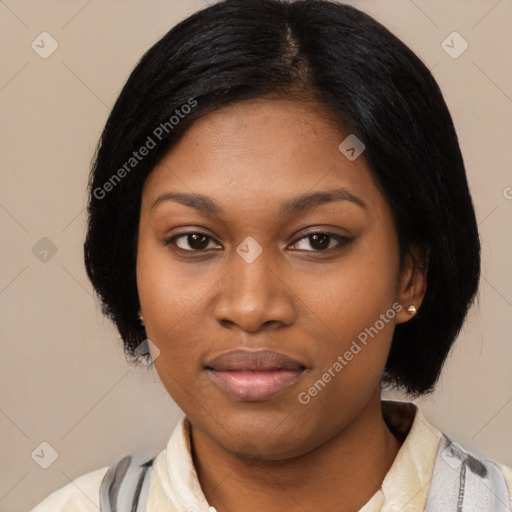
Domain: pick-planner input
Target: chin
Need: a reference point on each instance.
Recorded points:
(261, 436)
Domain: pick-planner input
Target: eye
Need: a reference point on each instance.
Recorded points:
(319, 241)
(322, 241)
(196, 241)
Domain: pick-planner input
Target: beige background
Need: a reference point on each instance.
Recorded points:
(64, 379)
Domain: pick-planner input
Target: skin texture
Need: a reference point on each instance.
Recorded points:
(307, 302)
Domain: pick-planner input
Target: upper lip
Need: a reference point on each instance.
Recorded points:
(254, 360)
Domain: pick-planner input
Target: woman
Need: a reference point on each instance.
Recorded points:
(279, 213)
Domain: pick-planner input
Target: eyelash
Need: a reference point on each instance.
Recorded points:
(342, 242)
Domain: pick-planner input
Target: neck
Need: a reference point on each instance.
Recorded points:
(342, 474)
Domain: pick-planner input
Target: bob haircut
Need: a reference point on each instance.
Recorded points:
(353, 70)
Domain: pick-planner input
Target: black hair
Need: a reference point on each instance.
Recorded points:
(370, 82)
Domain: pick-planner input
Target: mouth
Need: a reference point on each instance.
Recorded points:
(254, 375)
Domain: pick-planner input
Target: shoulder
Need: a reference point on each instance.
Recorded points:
(463, 476)
(80, 495)
(453, 472)
(507, 473)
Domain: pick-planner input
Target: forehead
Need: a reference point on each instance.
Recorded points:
(260, 151)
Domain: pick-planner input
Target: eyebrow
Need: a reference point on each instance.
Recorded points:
(291, 206)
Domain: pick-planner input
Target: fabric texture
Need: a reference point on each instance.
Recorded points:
(174, 486)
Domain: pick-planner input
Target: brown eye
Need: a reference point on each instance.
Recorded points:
(194, 241)
(322, 241)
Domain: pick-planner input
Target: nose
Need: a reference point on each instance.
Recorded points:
(254, 295)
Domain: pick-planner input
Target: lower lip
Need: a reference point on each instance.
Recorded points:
(252, 386)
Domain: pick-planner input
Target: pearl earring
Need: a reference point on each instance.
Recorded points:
(412, 309)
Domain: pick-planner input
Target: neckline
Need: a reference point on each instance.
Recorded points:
(413, 463)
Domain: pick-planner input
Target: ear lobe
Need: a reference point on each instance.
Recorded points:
(413, 282)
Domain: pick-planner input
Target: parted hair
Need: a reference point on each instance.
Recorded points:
(366, 80)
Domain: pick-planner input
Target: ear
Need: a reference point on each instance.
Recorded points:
(412, 282)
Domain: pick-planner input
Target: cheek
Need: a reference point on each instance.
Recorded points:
(350, 312)
(168, 298)
(354, 291)
(167, 290)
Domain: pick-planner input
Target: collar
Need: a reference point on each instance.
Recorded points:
(404, 488)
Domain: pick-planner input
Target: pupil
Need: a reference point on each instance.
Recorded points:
(324, 241)
(201, 244)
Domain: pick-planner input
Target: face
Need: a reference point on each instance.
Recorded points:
(273, 296)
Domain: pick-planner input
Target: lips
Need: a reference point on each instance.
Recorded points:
(254, 375)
